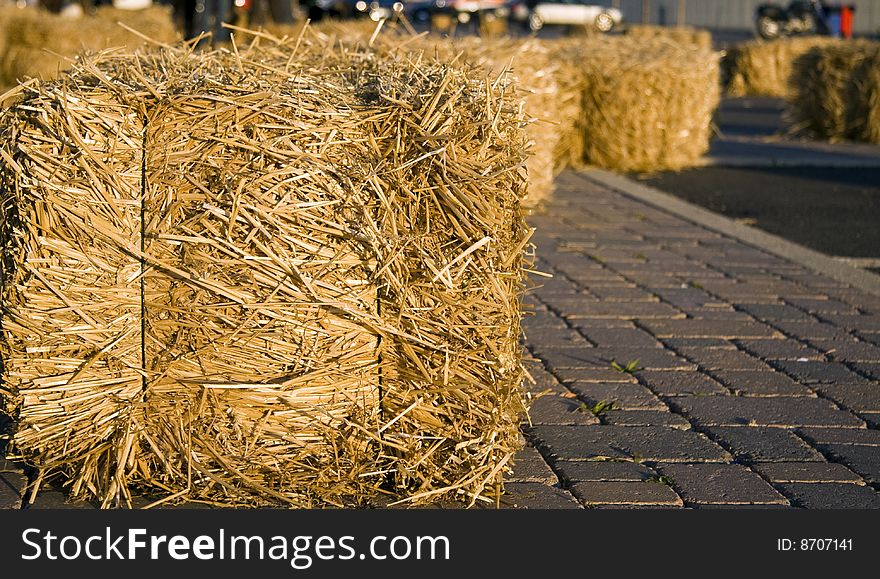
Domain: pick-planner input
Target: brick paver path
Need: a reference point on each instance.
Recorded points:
(757, 381)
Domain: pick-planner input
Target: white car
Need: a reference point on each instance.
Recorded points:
(578, 12)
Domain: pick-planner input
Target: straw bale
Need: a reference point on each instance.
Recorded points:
(764, 68)
(40, 44)
(688, 35)
(836, 92)
(537, 74)
(284, 274)
(647, 105)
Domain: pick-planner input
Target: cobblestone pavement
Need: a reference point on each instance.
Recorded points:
(754, 381)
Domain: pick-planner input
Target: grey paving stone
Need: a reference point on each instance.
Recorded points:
(666, 383)
(686, 297)
(628, 442)
(530, 466)
(848, 350)
(806, 472)
(646, 418)
(603, 470)
(864, 322)
(761, 383)
(864, 436)
(708, 329)
(719, 359)
(545, 340)
(527, 495)
(755, 443)
(805, 330)
(12, 487)
(625, 396)
(783, 349)
(865, 460)
(830, 495)
(872, 418)
(555, 409)
(623, 294)
(858, 397)
(870, 370)
(9, 466)
(630, 493)
(746, 411)
(720, 484)
(814, 306)
(679, 343)
(543, 381)
(615, 337)
(811, 372)
(648, 358)
(573, 310)
(586, 324)
(578, 357)
(55, 499)
(572, 375)
(775, 312)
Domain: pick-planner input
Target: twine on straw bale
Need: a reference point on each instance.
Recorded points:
(282, 274)
(835, 92)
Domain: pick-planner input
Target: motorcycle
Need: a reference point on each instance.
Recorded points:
(800, 17)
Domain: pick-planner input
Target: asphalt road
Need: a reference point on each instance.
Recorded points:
(832, 209)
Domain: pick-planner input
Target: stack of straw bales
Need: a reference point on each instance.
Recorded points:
(646, 105)
(760, 68)
(688, 35)
(283, 274)
(37, 43)
(836, 92)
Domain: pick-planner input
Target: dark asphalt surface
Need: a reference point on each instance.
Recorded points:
(833, 210)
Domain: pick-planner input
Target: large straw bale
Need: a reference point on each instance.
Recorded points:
(836, 92)
(764, 68)
(647, 105)
(288, 274)
(688, 35)
(40, 44)
(530, 62)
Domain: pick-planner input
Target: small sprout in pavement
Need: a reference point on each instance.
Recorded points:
(630, 367)
(695, 285)
(662, 479)
(597, 259)
(599, 408)
(641, 256)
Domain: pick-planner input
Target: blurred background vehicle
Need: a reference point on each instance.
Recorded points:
(378, 9)
(536, 13)
(799, 17)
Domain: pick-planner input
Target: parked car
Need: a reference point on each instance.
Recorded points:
(537, 13)
(800, 17)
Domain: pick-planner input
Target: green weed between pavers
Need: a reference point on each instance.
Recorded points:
(630, 367)
(599, 408)
(661, 479)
